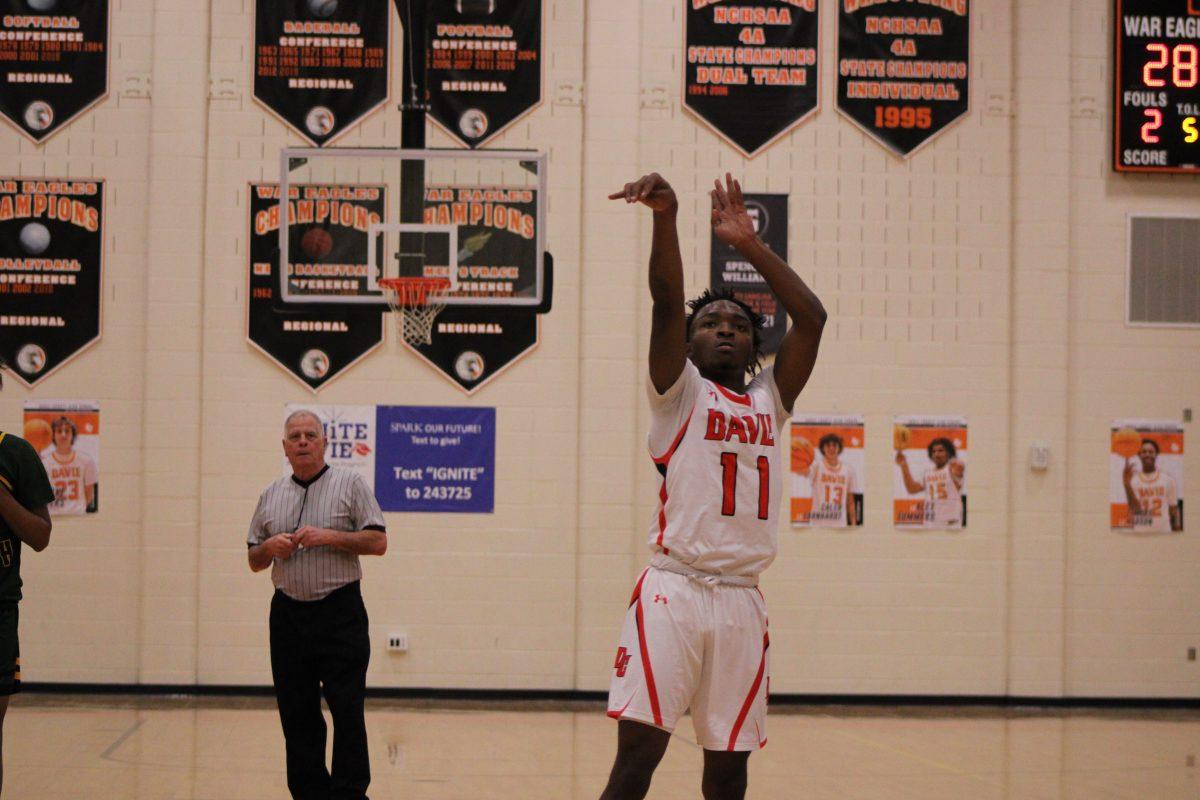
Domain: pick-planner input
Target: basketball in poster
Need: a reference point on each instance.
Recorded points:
(930, 476)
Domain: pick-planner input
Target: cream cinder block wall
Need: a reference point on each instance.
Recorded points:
(984, 276)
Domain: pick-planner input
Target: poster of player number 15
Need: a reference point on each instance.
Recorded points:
(1145, 476)
(930, 476)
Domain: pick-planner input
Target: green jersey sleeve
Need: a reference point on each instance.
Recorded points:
(22, 473)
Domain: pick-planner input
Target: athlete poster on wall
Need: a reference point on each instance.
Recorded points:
(729, 270)
(903, 68)
(53, 62)
(51, 265)
(1145, 476)
(66, 434)
(751, 68)
(497, 235)
(484, 65)
(321, 65)
(827, 471)
(328, 247)
(930, 476)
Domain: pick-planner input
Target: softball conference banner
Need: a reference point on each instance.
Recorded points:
(66, 434)
(751, 68)
(51, 264)
(53, 62)
(827, 470)
(728, 270)
(327, 245)
(903, 68)
(930, 478)
(1145, 476)
(483, 65)
(321, 65)
(436, 459)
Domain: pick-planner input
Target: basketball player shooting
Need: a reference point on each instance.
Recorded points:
(695, 634)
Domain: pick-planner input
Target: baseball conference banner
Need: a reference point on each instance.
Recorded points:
(66, 434)
(903, 68)
(751, 68)
(53, 62)
(1145, 476)
(51, 264)
(930, 479)
(484, 65)
(321, 65)
(328, 249)
(728, 270)
(827, 470)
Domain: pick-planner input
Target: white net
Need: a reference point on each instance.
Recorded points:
(416, 302)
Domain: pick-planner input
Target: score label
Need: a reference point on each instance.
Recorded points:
(1156, 113)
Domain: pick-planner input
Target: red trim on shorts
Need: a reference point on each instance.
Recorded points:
(737, 726)
(740, 399)
(666, 457)
(647, 671)
(617, 714)
(637, 589)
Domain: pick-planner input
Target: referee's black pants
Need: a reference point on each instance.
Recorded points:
(322, 646)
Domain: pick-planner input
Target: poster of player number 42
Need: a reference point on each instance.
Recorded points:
(1145, 476)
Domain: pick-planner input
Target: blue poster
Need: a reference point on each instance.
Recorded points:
(429, 458)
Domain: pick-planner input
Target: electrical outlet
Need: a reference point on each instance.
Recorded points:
(397, 642)
(1187, 415)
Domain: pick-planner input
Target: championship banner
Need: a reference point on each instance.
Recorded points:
(328, 247)
(321, 65)
(51, 264)
(903, 68)
(349, 437)
(436, 459)
(1145, 476)
(483, 65)
(53, 62)
(827, 469)
(751, 68)
(66, 434)
(728, 270)
(496, 258)
(930, 478)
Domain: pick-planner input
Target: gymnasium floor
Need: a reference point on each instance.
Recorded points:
(126, 748)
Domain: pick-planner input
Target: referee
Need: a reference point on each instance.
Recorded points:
(310, 528)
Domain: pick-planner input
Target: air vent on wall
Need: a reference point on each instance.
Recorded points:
(1164, 271)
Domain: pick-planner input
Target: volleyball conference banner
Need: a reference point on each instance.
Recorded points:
(903, 68)
(751, 68)
(484, 65)
(321, 65)
(51, 269)
(729, 270)
(1145, 476)
(53, 62)
(827, 468)
(930, 476)
(66, 434)
(327, 246)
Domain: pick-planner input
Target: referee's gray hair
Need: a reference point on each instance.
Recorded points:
(304, 412)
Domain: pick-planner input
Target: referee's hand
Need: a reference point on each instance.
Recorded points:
(281, 545)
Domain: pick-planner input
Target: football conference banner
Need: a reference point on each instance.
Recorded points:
(327, 245)
(1145, 476)
(827, 469)
(751, 67)
(349, 437)
(930, 475)
(66, 434)
(484, 65)
(728, 270)
(321, 65)
(53, 62)
(903, 68)
(497, 258)
(51, 264)
(436, 459)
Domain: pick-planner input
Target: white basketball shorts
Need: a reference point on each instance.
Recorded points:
(687, 643)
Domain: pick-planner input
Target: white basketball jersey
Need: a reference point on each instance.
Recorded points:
(70, 478)
(719, 455)
(943, 498)
(832, 491)
(1157, 494)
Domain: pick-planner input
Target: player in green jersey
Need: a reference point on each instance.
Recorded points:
(25, 493)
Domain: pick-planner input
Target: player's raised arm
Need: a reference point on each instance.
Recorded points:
(798, 351)
(668, 332)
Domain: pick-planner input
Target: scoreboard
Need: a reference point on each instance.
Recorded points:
(1156, 111)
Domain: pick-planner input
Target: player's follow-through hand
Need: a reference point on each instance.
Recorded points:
(731, 223)
(650, 190)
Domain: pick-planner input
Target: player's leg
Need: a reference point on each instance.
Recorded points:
(3, 712)
(10, 669)
(639, 749)
(298, 694)
(345, 653)
(724, 775)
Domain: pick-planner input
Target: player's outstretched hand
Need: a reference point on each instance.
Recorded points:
(281, 545)
(957, 468)
(1127, 475)
(731, 223)
(900, 459)
(650, 190)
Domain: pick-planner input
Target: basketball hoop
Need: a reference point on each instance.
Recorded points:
(416, 302)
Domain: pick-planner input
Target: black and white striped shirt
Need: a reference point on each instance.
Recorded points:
(336, 498)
